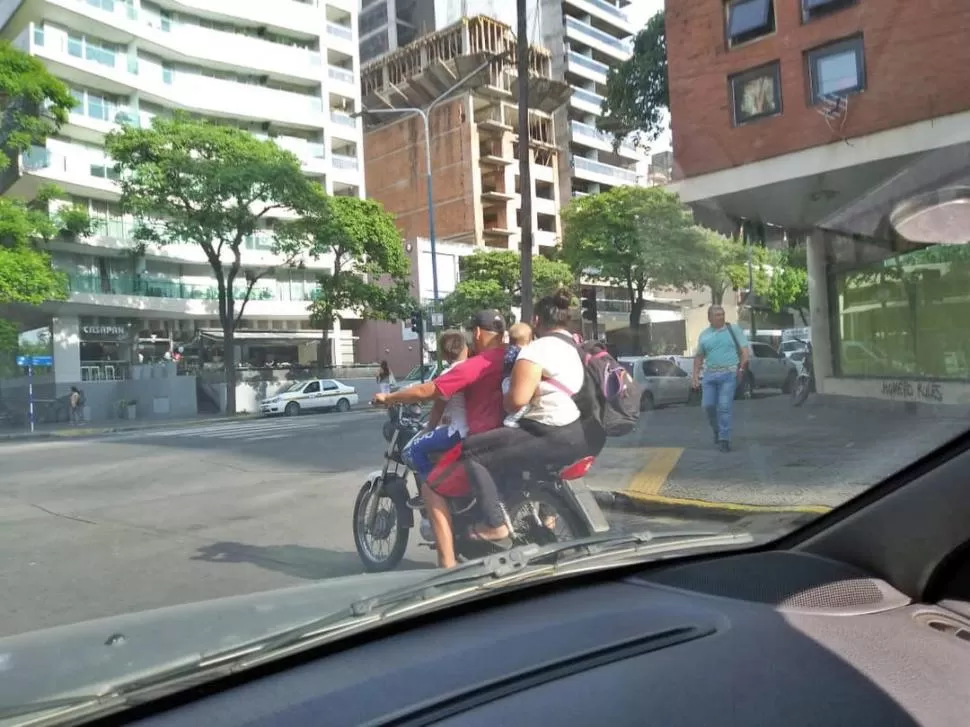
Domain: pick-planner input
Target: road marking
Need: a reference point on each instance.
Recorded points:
(660, 463)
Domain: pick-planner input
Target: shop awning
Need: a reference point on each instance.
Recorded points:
(283, 337)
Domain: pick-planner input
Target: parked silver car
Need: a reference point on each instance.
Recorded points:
(663, 382)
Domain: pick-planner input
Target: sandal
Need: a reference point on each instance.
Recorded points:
(474, 533)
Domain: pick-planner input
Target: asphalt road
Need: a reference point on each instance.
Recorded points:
(134, 521)
(91, 527)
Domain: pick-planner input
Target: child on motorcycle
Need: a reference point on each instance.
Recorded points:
(520, 335)
(451, 427)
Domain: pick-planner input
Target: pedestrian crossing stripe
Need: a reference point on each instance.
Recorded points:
(262, 429)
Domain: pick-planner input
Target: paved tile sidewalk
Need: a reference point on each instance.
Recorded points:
(811, 458)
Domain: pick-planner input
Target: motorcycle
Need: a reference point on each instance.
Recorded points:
(805, 382)
(545, 506)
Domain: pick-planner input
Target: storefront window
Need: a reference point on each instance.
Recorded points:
(906, 316)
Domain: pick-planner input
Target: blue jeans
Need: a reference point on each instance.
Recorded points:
(417, 453)
(717, 398)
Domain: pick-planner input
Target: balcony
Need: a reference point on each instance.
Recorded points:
(595, 38)
(343, 119)
(197, 41)
(342, 161)
(606, 12)
(160, 287)
(340, 31)
(587, 101)
(600, 139)
(604, 173)
(587, 67)
(340, 74)
(192, 91)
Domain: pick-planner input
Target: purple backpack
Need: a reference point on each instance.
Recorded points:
(609, 394)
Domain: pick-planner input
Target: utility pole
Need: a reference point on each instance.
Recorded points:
(525, 160)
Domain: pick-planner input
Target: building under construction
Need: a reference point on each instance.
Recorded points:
(467, 74)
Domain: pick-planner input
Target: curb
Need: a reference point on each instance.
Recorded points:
(654, 505)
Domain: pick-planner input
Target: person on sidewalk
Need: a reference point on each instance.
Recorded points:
(722, 351)
(75, 403)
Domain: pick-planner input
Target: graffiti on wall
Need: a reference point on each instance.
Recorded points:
(913, 390)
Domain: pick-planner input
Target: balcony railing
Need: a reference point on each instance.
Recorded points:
(609, 9)
(344, 119)
(150, 287)
(342, 161)
(605, 38)
(593, 65)
(340, 74)
(340, 31)
(624, 176)
(590, 131)
(581, 94)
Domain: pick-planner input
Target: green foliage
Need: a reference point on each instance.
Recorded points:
(718, 265)
(633, 237)
(35, 103)
(370, 270)
(788, 285)
(492, 279)
(189, 181)
(637, 91)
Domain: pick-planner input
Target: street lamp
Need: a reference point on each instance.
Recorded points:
(424, 113)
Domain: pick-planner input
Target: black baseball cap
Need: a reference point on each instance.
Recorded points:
(489, 320)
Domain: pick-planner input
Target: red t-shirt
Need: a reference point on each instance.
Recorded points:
(479, 378)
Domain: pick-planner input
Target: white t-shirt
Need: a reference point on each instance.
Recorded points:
(454, 411)
(560, 361)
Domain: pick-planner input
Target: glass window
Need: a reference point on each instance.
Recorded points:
(312, 388)
(75, 45)
(906, 316)
(837, 69)
(756, 94)
(330, 386)
(812, 9)
(749, 19)
(38, 34)
(167, 73)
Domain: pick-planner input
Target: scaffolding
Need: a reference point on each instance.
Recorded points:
(423, 70)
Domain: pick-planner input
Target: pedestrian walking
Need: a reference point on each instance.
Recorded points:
(385, 378)
(75, 403)
(722, 353)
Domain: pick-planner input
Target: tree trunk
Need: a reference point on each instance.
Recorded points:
(636, 311)
(324, 349)
(229, 366)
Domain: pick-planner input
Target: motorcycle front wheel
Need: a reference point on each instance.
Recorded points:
(799, 392)
(381, 547)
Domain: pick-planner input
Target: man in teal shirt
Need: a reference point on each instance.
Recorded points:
(722, 351)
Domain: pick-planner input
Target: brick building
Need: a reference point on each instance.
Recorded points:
(846, 125)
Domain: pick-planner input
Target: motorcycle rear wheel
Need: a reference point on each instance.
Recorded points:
(522, 509)
(386, 524)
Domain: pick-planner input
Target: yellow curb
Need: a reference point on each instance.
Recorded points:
(735, 506)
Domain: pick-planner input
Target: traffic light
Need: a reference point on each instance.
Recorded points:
(589, 304)
(416, 321)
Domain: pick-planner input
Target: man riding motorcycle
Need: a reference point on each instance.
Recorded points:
(479, 378)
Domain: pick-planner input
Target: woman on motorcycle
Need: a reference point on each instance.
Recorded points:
(550, 434)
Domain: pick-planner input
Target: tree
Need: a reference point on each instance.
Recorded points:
(370, 270)
(35, 103)
(492, 279)
(717, 265)
(193, 182)
(788, 282)
(637, 90)
(634, 238)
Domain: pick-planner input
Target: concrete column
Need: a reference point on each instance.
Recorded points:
(65, 332)
(818, 302)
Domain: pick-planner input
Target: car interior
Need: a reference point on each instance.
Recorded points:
(861, 616)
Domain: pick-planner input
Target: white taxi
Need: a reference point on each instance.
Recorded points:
(315, 395)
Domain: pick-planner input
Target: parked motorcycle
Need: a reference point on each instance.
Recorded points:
(542, 507)
(805, 382)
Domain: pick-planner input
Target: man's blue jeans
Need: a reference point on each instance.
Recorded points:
(717, 398)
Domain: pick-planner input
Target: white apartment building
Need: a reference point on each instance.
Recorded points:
(585, 37)
(287, 69)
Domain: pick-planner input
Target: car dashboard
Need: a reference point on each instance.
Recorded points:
(760, 638)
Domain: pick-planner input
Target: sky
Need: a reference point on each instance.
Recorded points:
(639, 13)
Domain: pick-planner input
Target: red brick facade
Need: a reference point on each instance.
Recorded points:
(916, 58)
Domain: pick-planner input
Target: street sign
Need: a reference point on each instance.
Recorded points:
(35, 360)
(437, 320)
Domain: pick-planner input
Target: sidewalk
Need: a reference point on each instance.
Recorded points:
(784, 459)
(48, 431)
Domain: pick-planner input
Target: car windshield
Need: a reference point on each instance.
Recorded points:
(747, 237)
